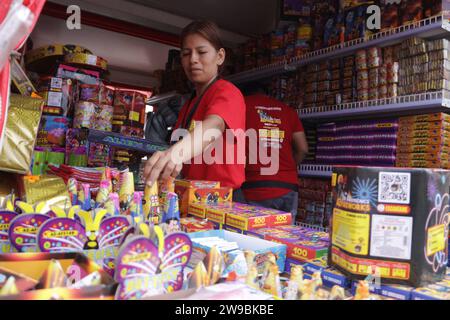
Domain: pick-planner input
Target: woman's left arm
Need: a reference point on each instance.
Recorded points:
(165, 164)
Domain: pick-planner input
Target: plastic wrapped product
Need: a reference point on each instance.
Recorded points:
(361, 60)
(374, 57)
(84, 115)
(383, 92)
(392, 70)
(382, 75)
(392, 90)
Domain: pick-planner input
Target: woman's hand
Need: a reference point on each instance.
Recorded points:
(161, 166)
(169, 163)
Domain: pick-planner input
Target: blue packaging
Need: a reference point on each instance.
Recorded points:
(396, 292)
(259, 246)
(330, 277)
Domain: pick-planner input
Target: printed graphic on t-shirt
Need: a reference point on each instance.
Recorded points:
(265, 118)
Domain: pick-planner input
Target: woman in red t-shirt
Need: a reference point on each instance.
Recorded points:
(205, 152)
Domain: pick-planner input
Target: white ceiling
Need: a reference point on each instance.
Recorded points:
(246, 17)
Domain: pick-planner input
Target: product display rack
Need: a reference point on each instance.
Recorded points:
(433, 27)
(315, 171)
(403, 105)
(429, 102)
(312, 226)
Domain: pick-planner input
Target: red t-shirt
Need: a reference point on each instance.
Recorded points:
(226, 101)
(275, 123)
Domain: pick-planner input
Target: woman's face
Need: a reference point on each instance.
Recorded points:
(200, 59)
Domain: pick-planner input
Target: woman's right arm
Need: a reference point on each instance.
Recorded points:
(165, 164)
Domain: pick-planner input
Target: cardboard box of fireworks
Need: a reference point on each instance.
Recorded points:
(194, 224)
(240, 218)
(303, 244)
(204, 241)
(196, 191)
(393, 220)
(46, 276)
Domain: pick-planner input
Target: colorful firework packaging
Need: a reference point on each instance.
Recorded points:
(152, 210)
(99, 155)
(144, 268)
(136, 208)
(59, 95)
(46, 276)
(129, 111)
(126, 192)
(374, 204)
(52, 131)
(186, 191)
(84, 197)
(76, 147)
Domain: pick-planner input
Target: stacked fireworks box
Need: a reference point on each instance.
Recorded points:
(336, 69)
(128, 120)
(424, 141)
(315, 202)
(358, 142)
(319, 83)
(286, 88)
(377, 73)
(311, 138)
(424, 66)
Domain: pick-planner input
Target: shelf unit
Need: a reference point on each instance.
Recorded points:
(433, 27)
(430, 28)
(315, 171)
(403, 105)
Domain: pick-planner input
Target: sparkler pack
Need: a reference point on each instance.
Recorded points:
(391, 222)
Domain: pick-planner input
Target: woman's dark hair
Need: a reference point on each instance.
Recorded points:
(207, 29)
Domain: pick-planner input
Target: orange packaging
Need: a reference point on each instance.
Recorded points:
(192, 224)
(187, 192)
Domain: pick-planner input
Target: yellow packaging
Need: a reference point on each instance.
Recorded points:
(87, 60)
(50, 189)
(351, 231)
(198, 210)
(41, 59)
(194, 191)
(24, 115)
(217, 215)
(151, 202)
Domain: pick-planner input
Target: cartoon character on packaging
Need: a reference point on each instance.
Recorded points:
(172, 214)
(213, 197)
(92, 227)
(342, 187)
